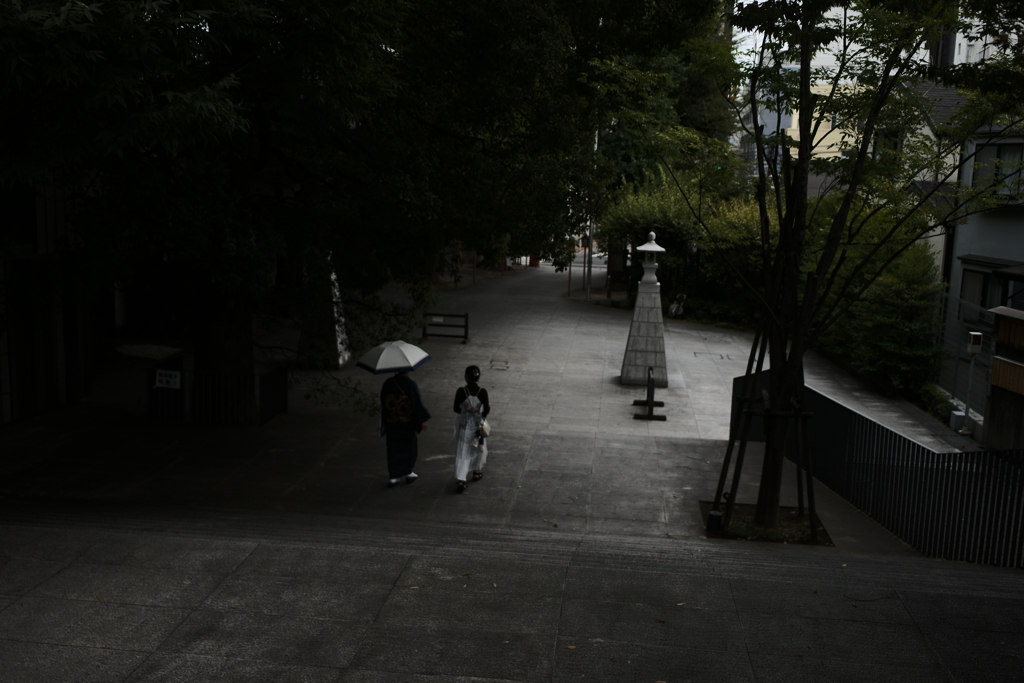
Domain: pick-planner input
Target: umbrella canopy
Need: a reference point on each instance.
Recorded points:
(393, 356)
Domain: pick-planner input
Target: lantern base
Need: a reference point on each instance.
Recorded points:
(646, 344)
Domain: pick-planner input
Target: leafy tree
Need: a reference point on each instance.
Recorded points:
(85, 82)
(817, 265)
(889, 336)
(700, 263)
(668, 96)
(264, 156)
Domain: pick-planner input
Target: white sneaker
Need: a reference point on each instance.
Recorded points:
(392, 482)
(411, 477)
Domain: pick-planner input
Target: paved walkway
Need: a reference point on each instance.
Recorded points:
(136, 553)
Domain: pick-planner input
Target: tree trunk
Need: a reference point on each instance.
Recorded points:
(785, 392)
(318, 332)
(775, 427)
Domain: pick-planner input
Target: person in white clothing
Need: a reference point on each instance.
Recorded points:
(472, 405)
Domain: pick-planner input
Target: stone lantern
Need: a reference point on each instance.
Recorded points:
(646, 344)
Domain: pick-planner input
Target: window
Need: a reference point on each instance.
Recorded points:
(887, 141)
(942, 52)
(978, 293)
(1015, 299)
(1000, 166)
(975, 289)
(984, 291)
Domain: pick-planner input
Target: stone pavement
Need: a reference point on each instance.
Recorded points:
(132, 552)
(151, 594)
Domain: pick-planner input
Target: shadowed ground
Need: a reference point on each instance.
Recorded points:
(131, 552)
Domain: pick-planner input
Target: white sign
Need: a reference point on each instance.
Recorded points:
(168, 379)
(974, 340)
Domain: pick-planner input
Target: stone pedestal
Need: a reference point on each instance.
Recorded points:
(646, 344)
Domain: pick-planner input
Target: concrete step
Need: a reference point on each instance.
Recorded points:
(687, 558)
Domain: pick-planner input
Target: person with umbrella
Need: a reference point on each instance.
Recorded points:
(402, 413)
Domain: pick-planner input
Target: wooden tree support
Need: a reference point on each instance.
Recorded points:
(748, 394)
(804, 468)
(649, 401)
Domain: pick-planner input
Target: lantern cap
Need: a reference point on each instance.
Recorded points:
(651, 245)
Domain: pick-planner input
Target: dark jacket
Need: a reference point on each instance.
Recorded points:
(400, 403)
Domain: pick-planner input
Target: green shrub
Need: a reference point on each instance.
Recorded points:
(710, 266)
(889, 337)
(936, 402)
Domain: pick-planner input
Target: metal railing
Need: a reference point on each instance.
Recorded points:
(957, 506)
(221, 399)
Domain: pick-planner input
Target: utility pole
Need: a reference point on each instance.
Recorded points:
(588, 265)
(974, 341)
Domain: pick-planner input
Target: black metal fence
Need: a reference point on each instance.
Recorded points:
(272, 399)
(957, 506)
(220, 399)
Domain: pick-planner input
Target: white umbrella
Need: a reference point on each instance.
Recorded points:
(393, 356)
